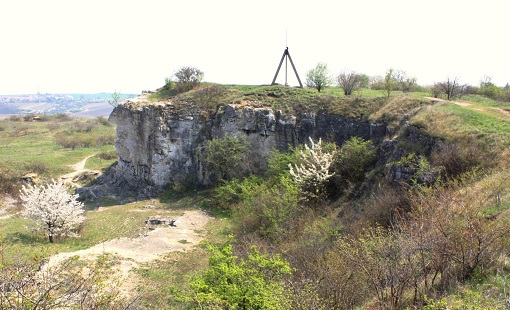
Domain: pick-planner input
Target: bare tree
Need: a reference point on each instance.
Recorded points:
(389, 81)
(405, 81)
(187, 77)
(115, 99)
(351, 81)
(318, 77)
(485, 81)
(68, 284)
(451, 87)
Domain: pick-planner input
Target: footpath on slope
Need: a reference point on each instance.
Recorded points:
(78, 169)
(468, 104)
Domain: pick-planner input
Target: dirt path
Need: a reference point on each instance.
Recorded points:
(5, 205)
(78, 168)
(130, 252)
(461, 103)
(504, 112)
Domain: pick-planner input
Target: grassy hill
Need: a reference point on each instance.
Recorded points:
(438, 239)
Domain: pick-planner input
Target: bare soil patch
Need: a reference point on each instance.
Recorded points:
(461, 103)
(78, 168)
(130, 252)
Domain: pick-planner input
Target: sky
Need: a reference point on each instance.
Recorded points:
(76, 46)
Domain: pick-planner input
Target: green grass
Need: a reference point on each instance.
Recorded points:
(484, 101)
(100, 225)
(28, 146)
(163, 277)
(290, 100)
(456, 123)
(490, 125)
(97, 163)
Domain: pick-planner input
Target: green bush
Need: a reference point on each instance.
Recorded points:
(225, 158)
(355, 158)
(187, 77)
(278, 163)
(268, 209)
(491, 91)
(234, 191)
(255, 282)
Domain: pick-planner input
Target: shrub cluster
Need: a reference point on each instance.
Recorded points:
(398, 248)
(225, 158)
(74, 140)
(443, 238)
(9, 180)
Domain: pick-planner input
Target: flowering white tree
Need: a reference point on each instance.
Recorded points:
(313, 170)
(52, 209)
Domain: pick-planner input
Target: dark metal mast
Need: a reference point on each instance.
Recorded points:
(286, 56)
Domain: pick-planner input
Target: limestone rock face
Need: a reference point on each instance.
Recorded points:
(153, 146)
(156, 145)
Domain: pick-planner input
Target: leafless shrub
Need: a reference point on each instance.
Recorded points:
(19, 132)
(456, 159)
(451, 87)
(107, 155)
(72, 283)
(66, 141)
(9, 180)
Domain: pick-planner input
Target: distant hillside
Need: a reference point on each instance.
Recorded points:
(83, 104)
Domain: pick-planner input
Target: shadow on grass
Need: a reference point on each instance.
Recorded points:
(32, 239)
(192, 198)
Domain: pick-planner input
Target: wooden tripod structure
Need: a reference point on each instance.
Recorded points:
(286, 56)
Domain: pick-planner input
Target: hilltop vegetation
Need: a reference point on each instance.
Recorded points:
(424, 225)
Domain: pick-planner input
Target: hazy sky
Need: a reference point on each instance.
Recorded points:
(107, 45)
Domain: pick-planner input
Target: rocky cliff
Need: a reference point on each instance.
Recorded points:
(157, 143)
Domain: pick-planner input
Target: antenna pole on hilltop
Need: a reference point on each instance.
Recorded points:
(286, 56)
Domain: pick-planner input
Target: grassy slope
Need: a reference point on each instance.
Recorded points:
(27, 146)
(37, 146)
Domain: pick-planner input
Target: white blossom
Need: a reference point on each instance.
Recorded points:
(52, 209)
(313, 170)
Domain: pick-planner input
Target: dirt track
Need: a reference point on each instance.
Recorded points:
(130, 252)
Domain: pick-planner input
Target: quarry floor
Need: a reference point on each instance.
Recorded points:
(130, 253)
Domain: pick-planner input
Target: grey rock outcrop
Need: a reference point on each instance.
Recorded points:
(156, 143)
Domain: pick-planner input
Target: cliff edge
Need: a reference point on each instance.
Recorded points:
(157, 141)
